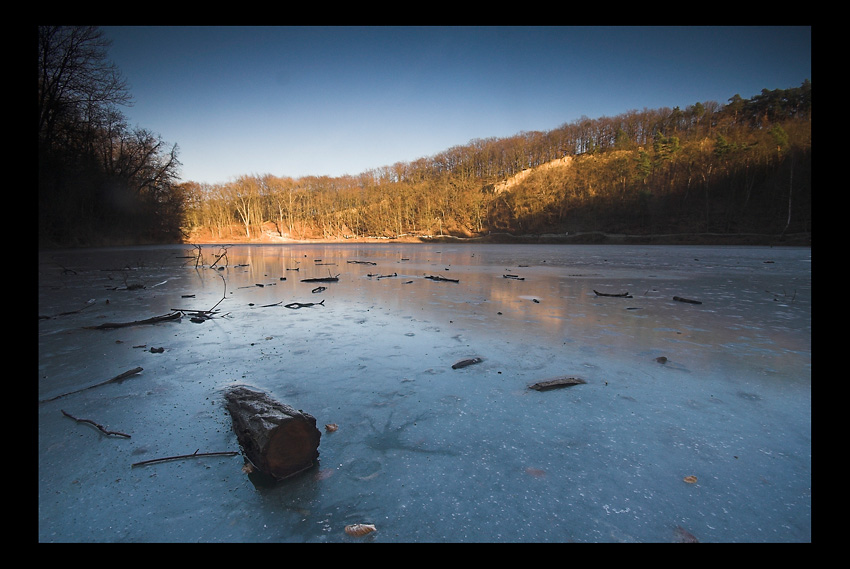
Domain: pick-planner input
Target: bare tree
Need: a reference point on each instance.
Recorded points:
(77, 85)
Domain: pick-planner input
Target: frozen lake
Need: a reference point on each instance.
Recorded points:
(425, 452)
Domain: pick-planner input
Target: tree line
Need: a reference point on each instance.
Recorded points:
(735, 168)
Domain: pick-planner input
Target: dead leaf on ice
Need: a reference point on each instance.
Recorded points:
(690, 479)
(359, 530)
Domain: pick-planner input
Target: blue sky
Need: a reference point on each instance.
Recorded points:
(301, 101)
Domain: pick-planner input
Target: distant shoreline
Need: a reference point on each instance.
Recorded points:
(578, 238)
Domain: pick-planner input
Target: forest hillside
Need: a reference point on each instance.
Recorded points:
(711, 173)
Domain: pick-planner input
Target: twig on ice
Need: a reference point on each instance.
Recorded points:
(201, 315)
(118, 377)
(223, 296)
(89, 303)
(99, 427)
(182, 456)
(152, 320)
(223, 255)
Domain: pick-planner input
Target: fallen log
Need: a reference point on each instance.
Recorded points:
(275, 438)
(555, 383)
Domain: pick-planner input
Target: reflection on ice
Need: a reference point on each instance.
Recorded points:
(424, 451)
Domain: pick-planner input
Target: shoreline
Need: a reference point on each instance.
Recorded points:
(579, 238)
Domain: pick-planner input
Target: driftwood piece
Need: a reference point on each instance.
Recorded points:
(469, 362)
(297, 305)
(278, 440)
(118, 377)
(555, 383)
(619, 295)
(688, 300)
(110, 325)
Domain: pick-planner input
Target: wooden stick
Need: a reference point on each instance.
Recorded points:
(205, 314)
(88, 304)
(198, 258)
(118, 377)
(224, 254)
(99, 427)
(182, 456)
(223, 296)
(153, 320)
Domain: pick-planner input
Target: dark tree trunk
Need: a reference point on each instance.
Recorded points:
(278, 440)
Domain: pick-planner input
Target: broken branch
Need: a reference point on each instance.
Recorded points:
(88, 304)
(182, 456)
(153, 320)
(118, 377)
(201, 315)
(99, 427)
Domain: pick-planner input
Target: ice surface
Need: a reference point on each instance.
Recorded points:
(425, 452)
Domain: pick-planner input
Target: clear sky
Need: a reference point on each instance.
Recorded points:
(301, 101)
